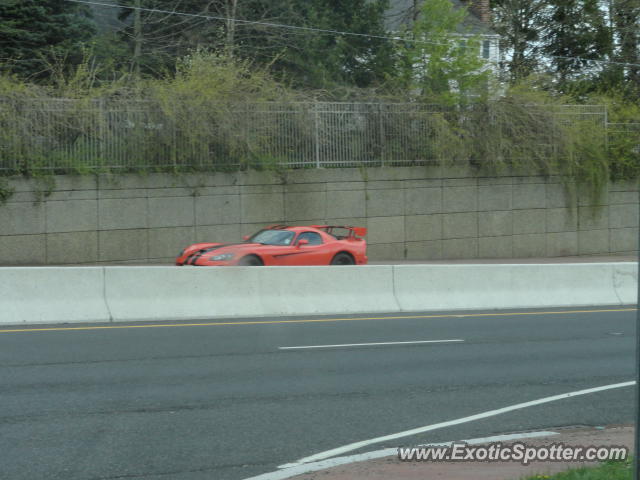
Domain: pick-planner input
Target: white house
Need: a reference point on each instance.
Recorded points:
(478, 23)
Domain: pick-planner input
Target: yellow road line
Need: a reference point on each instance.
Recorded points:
(317, 320)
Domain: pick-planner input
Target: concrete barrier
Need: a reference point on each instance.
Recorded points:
(153, 293)
(168, 293)
(625, 282)
(326, 290)
(52, 295)
(102, 294)
(459, 287)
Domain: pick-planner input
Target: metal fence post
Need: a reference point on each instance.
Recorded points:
(317, 133)
(606, 129)
(102, 121)
(381, 133)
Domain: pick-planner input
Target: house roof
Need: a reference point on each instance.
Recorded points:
(400, 12)
(473, 24)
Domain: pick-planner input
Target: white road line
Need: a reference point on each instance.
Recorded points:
(386, 452)
(479, 416)
(369, 344)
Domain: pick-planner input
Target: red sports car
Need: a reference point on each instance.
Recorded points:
(283, 245)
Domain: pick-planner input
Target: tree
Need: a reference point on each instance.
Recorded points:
(440, 63)
(519, 23)
(157, 34)
(626, 21)
(576, 32)
(34, 33)
(278, 33)
(161, 31)
(321, 60)
(573, 41)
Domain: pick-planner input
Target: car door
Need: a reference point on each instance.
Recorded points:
(312, 253)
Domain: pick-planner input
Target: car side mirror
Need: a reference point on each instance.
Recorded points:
(245, 237)
(303, 242)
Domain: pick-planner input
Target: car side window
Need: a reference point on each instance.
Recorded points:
(312, 237)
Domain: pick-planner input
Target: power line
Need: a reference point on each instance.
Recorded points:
(264, 24)
(321, 30)
(583, 59)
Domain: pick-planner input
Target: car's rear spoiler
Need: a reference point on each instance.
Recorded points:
(359, 231)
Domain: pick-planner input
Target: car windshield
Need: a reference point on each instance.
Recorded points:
(272, 237)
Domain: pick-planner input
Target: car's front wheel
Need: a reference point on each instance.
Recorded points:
(250, 261)
(343, 259)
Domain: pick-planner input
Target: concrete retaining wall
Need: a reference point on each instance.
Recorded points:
(422, 213)
(102, 294)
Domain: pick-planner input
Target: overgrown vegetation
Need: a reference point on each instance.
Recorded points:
(612, 470)
(260, 97)
(222, 113)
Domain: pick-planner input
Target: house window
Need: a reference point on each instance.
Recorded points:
(486, 49)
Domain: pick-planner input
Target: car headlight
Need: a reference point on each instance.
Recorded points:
(223, 256)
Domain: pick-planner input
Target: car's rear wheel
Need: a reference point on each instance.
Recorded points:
(250, 261)
(343, 259)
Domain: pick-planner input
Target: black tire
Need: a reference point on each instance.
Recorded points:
(343, 259)
(250, 261)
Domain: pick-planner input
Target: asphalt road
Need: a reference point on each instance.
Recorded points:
(223, 401)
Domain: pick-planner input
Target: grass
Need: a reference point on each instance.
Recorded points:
(613, 470)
